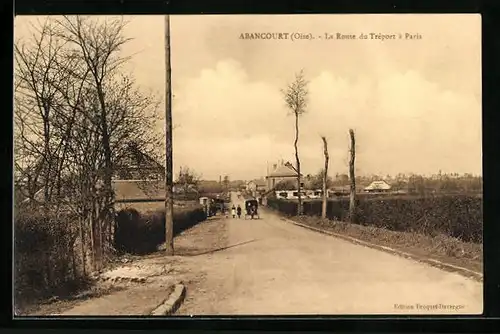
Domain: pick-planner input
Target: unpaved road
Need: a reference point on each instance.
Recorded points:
(273, 267)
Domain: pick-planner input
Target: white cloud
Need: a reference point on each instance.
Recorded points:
(404, 123)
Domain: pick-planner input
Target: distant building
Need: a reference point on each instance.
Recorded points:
(137, 165)
(282, 172)
(378, 186)
(129, 190)
(137, 176)
(256, 185)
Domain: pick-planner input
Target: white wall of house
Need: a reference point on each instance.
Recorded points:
(306, 194)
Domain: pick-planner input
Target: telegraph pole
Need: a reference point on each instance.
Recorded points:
(169, 200)
(352, 177)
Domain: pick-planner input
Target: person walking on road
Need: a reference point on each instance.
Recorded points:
(238, 211)
(233, 212)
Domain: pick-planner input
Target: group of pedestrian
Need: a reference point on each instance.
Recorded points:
(236, 211)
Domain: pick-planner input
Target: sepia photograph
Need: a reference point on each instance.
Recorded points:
(198, 165)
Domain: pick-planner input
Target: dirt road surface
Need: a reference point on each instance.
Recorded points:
(271, 267)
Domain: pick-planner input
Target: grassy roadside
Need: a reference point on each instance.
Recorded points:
(439, 247)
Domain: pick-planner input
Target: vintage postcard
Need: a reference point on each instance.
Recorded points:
(248, 165)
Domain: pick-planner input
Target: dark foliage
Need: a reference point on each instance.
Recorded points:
(142, 234)
(45, 262)
(459, 216)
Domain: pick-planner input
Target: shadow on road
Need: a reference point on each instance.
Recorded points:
(221, 248)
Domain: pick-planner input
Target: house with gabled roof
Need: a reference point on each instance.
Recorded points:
(134, 164)
(281, 172)
(378, 186)
(136, 175)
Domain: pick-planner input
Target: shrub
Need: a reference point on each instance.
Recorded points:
(142, 234)
(457, 216)
(44, 257)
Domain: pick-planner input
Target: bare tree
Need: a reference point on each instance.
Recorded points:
(352, 177)
(296, 98)
(39, 65)
(187, 180)
(76, 116)
(97, 43)
(51, 79)
(325, 177)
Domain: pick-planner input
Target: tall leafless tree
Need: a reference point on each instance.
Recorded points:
(296, 99)
(352, 177)
(76, 115)
(325, 177)
(40, 63)
(98, 43)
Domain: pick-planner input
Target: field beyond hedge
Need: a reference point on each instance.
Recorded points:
(458, 216)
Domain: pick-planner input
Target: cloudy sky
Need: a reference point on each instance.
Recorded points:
(415, 105)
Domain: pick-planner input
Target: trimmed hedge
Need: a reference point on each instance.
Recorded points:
(45, 261)
(137, 233)
(459, 216)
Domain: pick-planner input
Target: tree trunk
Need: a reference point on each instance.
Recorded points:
(100, 222)
(169, 201)
(47, 156)
(49, 267)
(299, 206)
(111, 234)
(352, 177)
(94, 230)
(74, 271)
(325, 178)
(82, 242)
(65, 143)
(107, 215)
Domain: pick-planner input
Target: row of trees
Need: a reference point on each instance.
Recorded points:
(296, 99)
(443, 183)
(76, 115)
(414, 183)
(190, 179)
